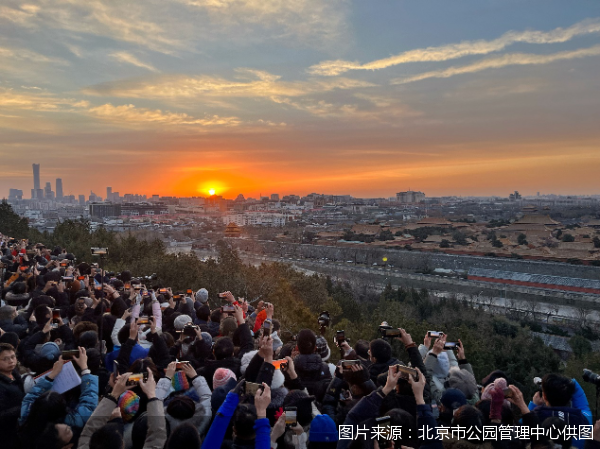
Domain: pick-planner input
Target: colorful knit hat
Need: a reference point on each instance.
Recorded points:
(129, 403)
(222, 376)
(180, 381)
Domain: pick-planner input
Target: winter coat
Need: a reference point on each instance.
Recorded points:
(11, 396)
(88, 400)
(311, 371)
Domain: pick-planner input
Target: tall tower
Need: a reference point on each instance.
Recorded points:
(109, 194)
(59, 189)
(36, 180)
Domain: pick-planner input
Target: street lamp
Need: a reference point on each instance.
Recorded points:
(102, 253)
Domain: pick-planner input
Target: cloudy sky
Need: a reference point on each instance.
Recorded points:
(174, 97)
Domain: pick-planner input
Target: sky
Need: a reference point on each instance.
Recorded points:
(175, 97)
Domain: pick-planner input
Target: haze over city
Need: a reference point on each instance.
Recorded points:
(336, 96)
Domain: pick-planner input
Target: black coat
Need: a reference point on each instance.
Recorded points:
(11, 396)
(312, 371)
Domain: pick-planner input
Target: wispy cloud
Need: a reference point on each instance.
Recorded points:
(10, 99)
(502, 61)
(128, 58)
(130, 114)
(250, 84)
(459, 50)
(23, 54)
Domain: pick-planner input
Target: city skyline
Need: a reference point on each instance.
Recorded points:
(332, 96)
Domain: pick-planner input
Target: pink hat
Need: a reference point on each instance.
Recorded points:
(222, 376)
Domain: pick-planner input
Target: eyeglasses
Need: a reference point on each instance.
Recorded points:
(8, 358)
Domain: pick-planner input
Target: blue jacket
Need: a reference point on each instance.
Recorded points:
(138, 352)
(263, 434)
(88, 400)
(217, 430)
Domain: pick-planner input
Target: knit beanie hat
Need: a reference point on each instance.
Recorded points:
(323, 348)
(219, 394)
(453, 399)
(181, 321)
(222, 376)
(129, 403)
(202, 295)
(50, 351)
(323, 430)
(180, 381)
(181, 407)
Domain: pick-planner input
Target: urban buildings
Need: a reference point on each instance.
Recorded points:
(410, 197)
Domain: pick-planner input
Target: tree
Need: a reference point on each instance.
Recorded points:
(497, 243)
(444, 244)
(11, 224)
(386, 235)
(580, 346)
(596, 241)
(522, 239)
(568, 238)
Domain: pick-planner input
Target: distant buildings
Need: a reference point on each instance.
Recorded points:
(410, 197)
(59, 189)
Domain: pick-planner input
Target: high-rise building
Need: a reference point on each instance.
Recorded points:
(15, 194)
(59, 189)
(82, 200)
(48, 193)
(410, 197)
(36, 181)
(109, 194)
(274, 196)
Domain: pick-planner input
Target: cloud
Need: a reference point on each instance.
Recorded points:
(128, 58)
(502, 61)
(130, 114)
(467, 48)
(10, 99)
(23, 54)
(261, 85)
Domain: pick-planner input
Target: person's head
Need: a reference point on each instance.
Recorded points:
(55, 436)
(362, 348)
(42, 314)
(185, 436)
(107, 437)
(557, 390)
(216, 315)
(8, 313)
(142, 365)
(181, 407)
(380, 351)
(323, 430)
(223, 348)
(123, 334)
(306, 341)
(88, 339)
(228, 326)
(80, 306)
(82, 327)
(452, 399)
(19, 288)
(276, 325)
(468, 416)
(243, 422)
(49, 407)
(203, 312)
(8, 358)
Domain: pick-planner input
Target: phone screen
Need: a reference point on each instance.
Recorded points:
(291, 416)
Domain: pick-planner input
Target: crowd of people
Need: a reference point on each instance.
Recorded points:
(103, 360)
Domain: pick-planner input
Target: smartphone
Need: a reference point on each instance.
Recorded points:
(406, 371)
(115, 369)
(81, 278)
(450, 345)
(67, 278)
(180, 364)
(280, 364)
(127, 285)
(143, 320)
(56, 314)
(252, 388)
(434, 334)
(346, 364)
(137, 286)
(228, 308)
(135, 379)
(392, 333)
(97, 285)
(291, 416)
(340, 337)
(267, 328)
(64, 264)
(68, 355)
(189, 291)
(163, 291)
(507, 393)
(221, 295)
(23, 268)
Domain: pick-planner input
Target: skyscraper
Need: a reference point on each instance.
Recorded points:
(59, 190)
(109, 194)
(36, 181)
(48, 193)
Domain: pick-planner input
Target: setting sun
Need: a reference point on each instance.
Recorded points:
(212, 192)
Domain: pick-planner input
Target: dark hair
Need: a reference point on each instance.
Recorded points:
(19, 288)
(6, 347)
(276, 325)
(82, 327)
(215, 316)
(6, 312)
(84, 269)
(362, 348)
(88, 339)
(142, 365)
(557, 389)
(123, 334)
(107, 437)
(185, 436)
(42, 314)
(168, 338)
(381, 350)
(243, 421)
(468, 416)
(203, 312)
(49, 439)
(307, 341)
(223, 348)
(403, 419)
(48, 409)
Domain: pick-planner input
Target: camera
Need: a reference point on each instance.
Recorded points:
(340, 337)
(591, 377)
(189, 330)
(324, 319)
(406, 371)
